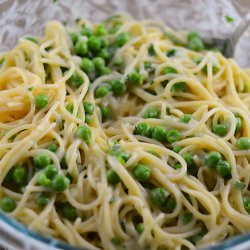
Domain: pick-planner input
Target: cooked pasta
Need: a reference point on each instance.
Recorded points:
(124, 135)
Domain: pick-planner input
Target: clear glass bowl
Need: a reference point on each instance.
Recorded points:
(29, 17)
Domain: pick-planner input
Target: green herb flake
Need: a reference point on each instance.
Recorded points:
(229, 19)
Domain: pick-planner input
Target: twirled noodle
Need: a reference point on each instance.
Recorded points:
(206, 208)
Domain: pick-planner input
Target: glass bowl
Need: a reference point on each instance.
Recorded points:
(28, 17)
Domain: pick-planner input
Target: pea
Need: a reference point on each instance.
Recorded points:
(169, 205)
(169, 70)
(159, 133)
(118, 87)
(123, 157)
(191, 167)
(63, 162)
(177, 166)
(105, 54)
(41, 101)
(246, 203)
(99, 63)
(238, 124)
(75, 80)
(42, 200)
(87, 65)
(105, 71)
(223, 168)
(81, 48)
(52, 147)
(173, 135)
(7, 204)
(243, 143)
(113, 177)
(41, 160)
(194, 41)
(70, 108)
(88, 118)
(186, 118)
(102, 91)
(121, 39)
(187, 217)
(212, 158)
(179, 87)
(151, 50)
(116, 241)
(86, 31)
(100, 30)
(69, 212)
(135, 78)
(141, 172)
(220, 130)
(20, 174)
(88, 108)
(140, 228)
(171, 53)
(51, 171)
(105, 111)
(142, 129)
(84, 133)
(158, 196)
(152, 112)
(177, 149)
(74, 37)
(60, 183)
(95, 43)
(43, 180)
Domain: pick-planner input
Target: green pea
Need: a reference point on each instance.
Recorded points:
(88, 118)
(31, 38)
(99, 63)
(86, 31)
(43, 180)
(20, 174)
(105, 111)
(102, 91)
(116, 241)
(194, 42)
(135, 78)
(212, 158)
(169, 70)
(75, 80)
(121, 39)
(51, 171)
(243, 143)
(95, 43)
(70, 108)
(87, 65)
(84, 133)
(142, 129)
(63, 162)
(41, 160)
(179, 87)
(187, 217)
(104, 71)
(173, 135)
(177, 166)
(246, 203)
(7, 204)
(177, 149)
(152, 112)
(223, 168)
(191, 166)
(169, 205)
(81, 48)
(113, 177)
(74, 37)
(148, 66)
(100, 30)
(140, 228)
(118, 87)
(141, 172)
(158, 196)
(186, 118)
(151, 50)
(220, 130)
(52, 147)
(60, 183)
(88, 108)
(42, 200)
(41, 101)
(123, 157)
(159, 133)
(171, 53)
(105, 54)
(69, 212)
(239, 124)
